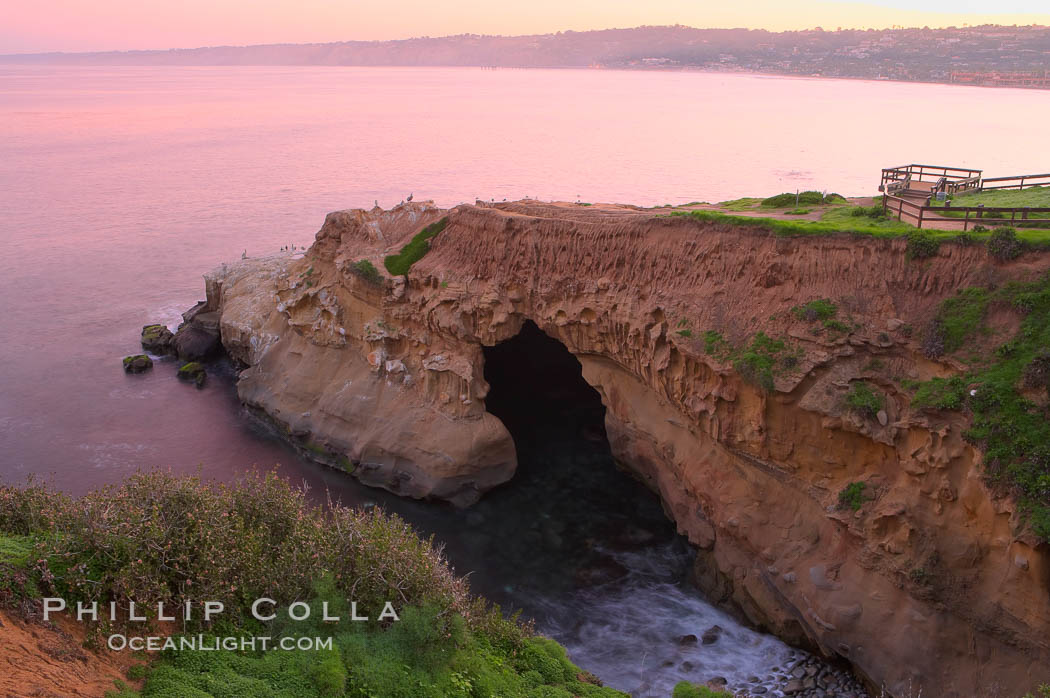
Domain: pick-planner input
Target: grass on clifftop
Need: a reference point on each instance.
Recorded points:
(160, 538)
(399, 264)
(841, 219)
(1010, 404)
(1035, 197)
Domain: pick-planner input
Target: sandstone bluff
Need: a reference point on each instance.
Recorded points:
(384, 378)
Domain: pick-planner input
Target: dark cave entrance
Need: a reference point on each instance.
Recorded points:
(538, 391)
(570, 513)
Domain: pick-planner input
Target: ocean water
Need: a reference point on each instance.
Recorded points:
(119, 187)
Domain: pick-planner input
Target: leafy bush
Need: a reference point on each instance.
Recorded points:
(757, 361)
(806, 197)
(853, 497)
(716, 345)
(685, 333)
(836, 326)
(875, 212)
(399, 264)
(922, 245)
(1004, 245)
(863, 400)
(821, 309)
(367, 271)
(157, 537)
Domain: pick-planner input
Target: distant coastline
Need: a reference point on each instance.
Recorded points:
(989, 55)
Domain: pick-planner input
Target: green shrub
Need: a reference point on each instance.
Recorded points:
(399, 264)
(921, 245)
(685, 333)
(367, 271)
(875, 212)
(863, 400)
(685, 689)
(852, 496)
(941, 394)
(1004, 245)
(157, 537)
(756, 362)
(716, 345)
(836, 326)
(806, 197)
(820, 309)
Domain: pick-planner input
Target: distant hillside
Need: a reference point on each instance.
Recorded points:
(903, 54)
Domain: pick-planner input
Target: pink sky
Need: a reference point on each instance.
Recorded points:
(84, 25)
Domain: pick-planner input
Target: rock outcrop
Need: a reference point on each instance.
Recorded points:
(933, 582)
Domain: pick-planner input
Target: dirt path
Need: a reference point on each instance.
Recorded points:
(38, 662)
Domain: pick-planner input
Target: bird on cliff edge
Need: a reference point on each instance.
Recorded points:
(409, 198)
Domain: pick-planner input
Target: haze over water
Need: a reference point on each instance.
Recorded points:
(120, 187)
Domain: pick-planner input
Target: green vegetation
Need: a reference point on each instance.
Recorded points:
(684, 689)
(807, 197)
(836, 326)
(852, 496)
(820, 309)
(154, 333)
(1034, 197)
(1004, 245)
(685, 333)
(192, 371)
(137, 363)
(758, 362)
(424, 655)
(16, 552)
(922, 244)
(1043, 691)
(399, 264)
(744, 204)
(875, 211)
(798, 211)
(1011, 427)
(941, 394)
(958, 317)
(837, 220)
(160, 538)
(863, 400)
(717, 346)
(367, 271)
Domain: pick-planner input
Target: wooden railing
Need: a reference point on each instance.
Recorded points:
(983, 215)
(893, 176)
(1018, 182)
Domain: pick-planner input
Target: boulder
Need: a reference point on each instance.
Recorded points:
(157, 339)
(711, 635)
(137, 363)
(193, 372)
(195, 343)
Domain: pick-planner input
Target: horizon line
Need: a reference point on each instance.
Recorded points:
(514, 36)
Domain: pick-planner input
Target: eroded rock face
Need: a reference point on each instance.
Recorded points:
(919, 587)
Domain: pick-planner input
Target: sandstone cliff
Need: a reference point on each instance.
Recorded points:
(933, 583)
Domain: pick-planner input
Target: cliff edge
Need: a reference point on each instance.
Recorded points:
(759, 384)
